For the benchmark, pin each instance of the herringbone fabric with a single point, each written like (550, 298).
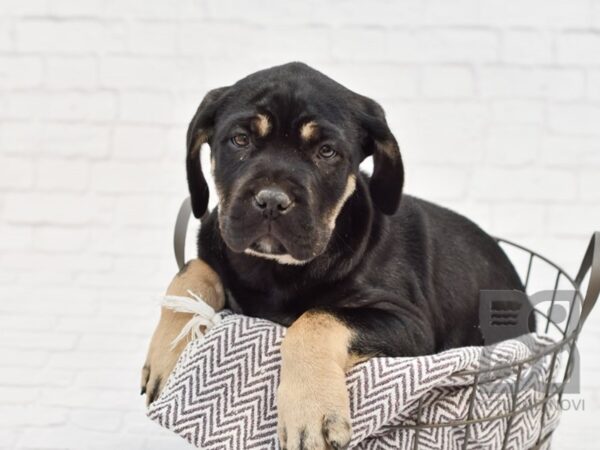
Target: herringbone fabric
(222, 394)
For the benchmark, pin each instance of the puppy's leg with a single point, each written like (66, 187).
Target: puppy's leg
(199, 278)
(312, 400)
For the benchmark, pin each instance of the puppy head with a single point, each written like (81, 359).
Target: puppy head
(286, 144)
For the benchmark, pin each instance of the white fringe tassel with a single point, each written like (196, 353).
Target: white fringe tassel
(203, 315)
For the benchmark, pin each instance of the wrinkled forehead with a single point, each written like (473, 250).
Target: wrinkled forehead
(286, 111)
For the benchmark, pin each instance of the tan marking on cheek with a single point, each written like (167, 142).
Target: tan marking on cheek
(218, 187)
(348, 191)
(309, 130)
(262, 124)
(219, 190)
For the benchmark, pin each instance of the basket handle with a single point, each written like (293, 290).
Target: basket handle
(180, 231)
(591, 262)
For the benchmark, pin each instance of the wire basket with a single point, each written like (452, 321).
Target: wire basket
(539, 275)
(537, 272)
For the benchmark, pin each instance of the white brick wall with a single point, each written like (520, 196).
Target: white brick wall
(496, 104)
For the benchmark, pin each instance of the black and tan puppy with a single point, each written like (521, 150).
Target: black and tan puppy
(302, 238)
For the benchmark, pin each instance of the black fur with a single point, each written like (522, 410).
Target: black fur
(406, 278)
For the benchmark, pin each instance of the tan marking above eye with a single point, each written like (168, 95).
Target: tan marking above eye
(309, 130)
(262, 124)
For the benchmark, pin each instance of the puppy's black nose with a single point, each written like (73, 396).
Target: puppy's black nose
(273, 202)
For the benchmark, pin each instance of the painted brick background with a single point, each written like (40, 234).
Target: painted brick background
(496, 104)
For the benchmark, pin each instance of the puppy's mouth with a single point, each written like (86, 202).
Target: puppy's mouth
(268, 245)
(289, 242)
(271, 248)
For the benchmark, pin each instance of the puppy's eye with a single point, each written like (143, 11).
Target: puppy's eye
(240, 140)
(327, 152)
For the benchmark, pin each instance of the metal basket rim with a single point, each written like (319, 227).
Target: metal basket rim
(569, 339)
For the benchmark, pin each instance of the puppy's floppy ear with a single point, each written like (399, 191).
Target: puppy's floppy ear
(388, 171)
(200, 132)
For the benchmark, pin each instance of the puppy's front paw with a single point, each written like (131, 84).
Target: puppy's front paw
(157, 369)
(313, 414)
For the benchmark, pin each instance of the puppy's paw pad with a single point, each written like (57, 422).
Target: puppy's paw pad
(337, 431)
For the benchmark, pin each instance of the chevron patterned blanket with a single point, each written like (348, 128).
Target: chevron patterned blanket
(221, 394)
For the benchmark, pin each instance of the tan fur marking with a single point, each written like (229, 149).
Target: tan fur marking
(199, 278)
(355, 359)
(388, 148)
(308, 130)
(322, 335)
(263, 125)
(312, 395)
(348, 191)
(218, 186)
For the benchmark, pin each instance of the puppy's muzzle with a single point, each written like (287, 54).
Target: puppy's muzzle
(273, 202)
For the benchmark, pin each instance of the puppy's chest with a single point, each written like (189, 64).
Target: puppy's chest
(280, 304)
